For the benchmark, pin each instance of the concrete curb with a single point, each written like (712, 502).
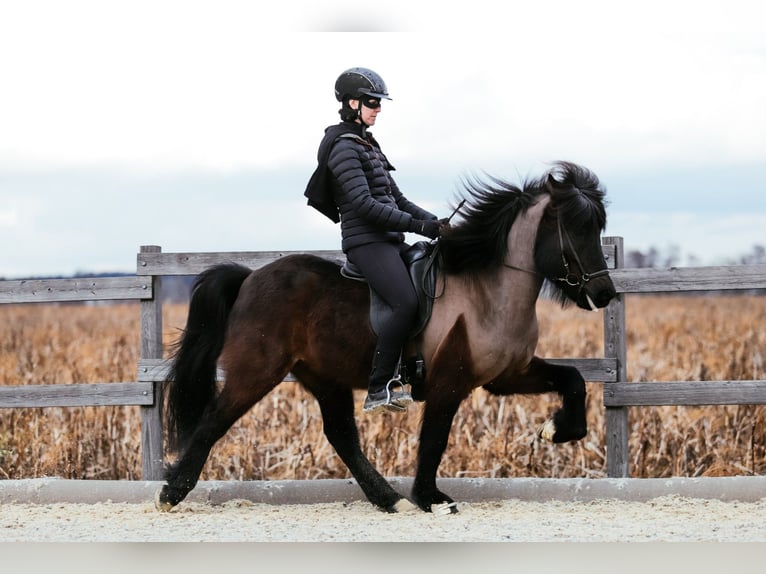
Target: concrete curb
(52, 490)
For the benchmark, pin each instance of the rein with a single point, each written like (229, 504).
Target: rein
(436, 254)
(569, 277)
(531, 272)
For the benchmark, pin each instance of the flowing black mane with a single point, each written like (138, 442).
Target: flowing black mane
(478, 241)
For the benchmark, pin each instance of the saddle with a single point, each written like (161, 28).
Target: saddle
(419, 259)
(421, 262)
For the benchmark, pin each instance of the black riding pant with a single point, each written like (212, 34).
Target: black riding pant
(382, 265)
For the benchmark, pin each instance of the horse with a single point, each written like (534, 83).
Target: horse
(299, 315)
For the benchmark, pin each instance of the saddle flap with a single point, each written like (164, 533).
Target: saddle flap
(420, 261)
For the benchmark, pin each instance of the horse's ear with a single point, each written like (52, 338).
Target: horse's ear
(550, 183)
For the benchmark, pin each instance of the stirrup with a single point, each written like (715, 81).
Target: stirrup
(400, 398)
(386, 398)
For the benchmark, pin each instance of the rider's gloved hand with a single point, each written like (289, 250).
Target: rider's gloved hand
(428, 227)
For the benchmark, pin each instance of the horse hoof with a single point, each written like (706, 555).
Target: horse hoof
(405, 505)
(444, 508)
(547, 430)
(159, 504)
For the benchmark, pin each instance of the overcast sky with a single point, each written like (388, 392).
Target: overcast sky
(194, 125)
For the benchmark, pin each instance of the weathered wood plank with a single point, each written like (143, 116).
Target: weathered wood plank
(615, 346)
(609, 250)
(79, 289)
(593, 370)
(616, 437)
(195, 263)
(151, 348)
(76, 395)
(678, 279)
(685, 393)
(156, 370)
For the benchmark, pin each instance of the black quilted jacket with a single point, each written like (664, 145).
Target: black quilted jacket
(370, 204)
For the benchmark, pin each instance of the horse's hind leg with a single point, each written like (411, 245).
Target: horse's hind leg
(337, 406)
(239, 394)
(569, 422)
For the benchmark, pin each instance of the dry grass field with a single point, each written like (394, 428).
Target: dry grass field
(670, 338)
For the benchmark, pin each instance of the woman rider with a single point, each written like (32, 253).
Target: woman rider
(353, 185)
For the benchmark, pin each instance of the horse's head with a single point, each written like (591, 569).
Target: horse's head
(568, 248)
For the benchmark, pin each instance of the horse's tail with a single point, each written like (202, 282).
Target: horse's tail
(191, 382)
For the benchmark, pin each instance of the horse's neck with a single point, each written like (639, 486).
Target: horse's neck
(520, 260)
(516, 286)
(499, 308)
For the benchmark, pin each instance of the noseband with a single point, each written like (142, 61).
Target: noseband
(571, 278)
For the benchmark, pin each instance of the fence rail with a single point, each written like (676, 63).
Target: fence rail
(77, 395)
(594, 370)
(158, 263)
(680, 279)
(686, 393)
(85, 289)
(610, 369)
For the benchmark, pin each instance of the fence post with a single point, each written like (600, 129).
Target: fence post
(151, 348)
(615, 346)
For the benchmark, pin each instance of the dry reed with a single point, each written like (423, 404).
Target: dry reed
(670, 338)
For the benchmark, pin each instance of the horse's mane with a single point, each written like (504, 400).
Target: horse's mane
(478, 242)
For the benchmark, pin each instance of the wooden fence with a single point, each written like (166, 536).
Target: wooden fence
(611, 369)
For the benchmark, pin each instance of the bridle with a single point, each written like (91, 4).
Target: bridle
(570, 278)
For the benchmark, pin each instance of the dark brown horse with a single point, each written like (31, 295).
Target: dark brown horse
(300, 315)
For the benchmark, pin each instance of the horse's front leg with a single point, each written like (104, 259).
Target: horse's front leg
(569, 422)
(434, 435)
(448, 382)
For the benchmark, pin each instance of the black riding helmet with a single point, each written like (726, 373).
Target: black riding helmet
(356, 82)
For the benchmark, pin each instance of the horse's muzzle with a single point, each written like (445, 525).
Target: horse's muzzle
(592, 300)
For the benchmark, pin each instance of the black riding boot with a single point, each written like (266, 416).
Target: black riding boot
(386, 389)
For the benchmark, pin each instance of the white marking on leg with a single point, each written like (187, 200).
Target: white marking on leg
(547, 430)
(444, 508)
(159, 505)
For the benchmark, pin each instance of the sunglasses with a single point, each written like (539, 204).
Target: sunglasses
(370, 102)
